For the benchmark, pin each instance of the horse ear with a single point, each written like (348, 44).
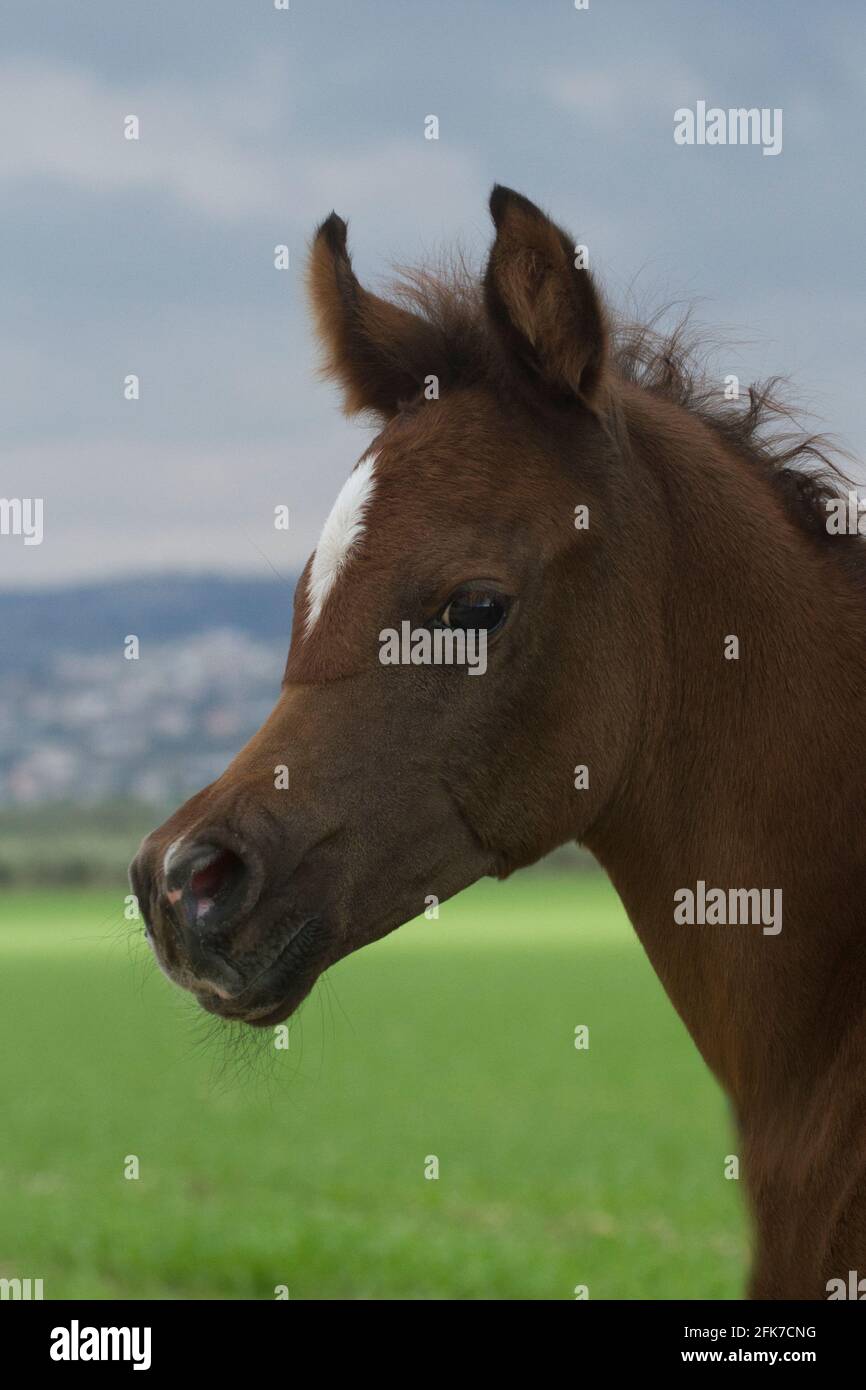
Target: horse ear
(546, 312)
(379, 352)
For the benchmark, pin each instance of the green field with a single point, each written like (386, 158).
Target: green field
(305, 1168)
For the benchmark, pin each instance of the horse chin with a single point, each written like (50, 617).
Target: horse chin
(261, 1015)
(275, 992)
(279, 991)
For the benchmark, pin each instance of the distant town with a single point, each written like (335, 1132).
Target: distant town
(99, 727)
(84, 721)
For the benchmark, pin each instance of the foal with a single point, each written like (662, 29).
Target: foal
(674, 676)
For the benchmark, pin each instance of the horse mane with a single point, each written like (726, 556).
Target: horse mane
(762, 426)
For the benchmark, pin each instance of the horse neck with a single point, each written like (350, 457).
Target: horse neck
(746, 773)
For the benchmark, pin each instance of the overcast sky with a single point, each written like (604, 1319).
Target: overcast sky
(156, 257)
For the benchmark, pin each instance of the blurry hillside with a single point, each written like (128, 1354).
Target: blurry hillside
(93, 746)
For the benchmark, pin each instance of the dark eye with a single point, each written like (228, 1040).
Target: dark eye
(475, 609)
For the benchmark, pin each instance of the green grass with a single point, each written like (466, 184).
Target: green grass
(258, 1168)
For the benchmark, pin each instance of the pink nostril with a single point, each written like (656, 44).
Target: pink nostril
(210, 880)
(205, 884)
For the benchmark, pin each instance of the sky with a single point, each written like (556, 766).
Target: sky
(155, 256)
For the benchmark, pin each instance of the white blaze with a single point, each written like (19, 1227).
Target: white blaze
(340, 534)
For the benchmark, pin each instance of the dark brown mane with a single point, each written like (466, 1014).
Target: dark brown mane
(761, 427)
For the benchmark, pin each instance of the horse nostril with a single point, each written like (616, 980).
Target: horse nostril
(208, 881)
(213, 877)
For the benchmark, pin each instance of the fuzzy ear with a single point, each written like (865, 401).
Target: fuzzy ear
(379, 352)
(546, 312)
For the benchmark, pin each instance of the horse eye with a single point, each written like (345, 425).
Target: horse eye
(475, 609)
